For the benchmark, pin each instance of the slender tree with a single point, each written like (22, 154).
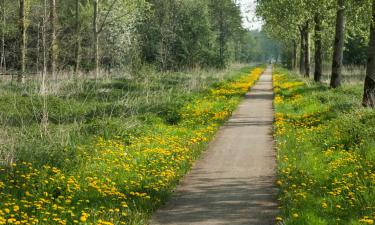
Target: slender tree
(369, 88)
(318, 49)
(338, 47)
(38, 49)
(2, 59)
(96, 37)
(22, 32)
(302, 52)
(294, 57)
(53, 42)
(78, 37)
(44, 47)
(44, 121)
(307, 50)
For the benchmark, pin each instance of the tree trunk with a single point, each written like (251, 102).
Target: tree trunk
(318, 50)
(44, 46)
(338, 47)
(307, 50)
(96, 37)
(53, 47)
(302, 57)
(22, 32)
(38, 49)
(44, 120)
(221, 39)
(369, 89)
(2, 60)
(78, 39)
(294, 63)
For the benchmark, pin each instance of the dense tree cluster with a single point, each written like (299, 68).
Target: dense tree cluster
(334, 25)
(45, 36)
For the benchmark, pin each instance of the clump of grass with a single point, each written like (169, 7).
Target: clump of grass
(127, 166)
(326, 148)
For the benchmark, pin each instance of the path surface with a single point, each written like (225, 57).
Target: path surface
(234, 181)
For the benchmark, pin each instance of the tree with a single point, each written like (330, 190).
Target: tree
(96, 36)
(288, 21)
(78, 36)
(294, 56)
(53, 43)
(170, 34)
(2, 58)
(226, 22)
(22, 32)
(302, 52)
(369, 87)
(318, 49)
(338, 47)
(306, 49)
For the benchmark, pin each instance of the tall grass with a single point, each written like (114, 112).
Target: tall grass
(80, 108)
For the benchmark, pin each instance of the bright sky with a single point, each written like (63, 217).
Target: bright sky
(248, 12)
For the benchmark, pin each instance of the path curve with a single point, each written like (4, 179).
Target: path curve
(234, 181)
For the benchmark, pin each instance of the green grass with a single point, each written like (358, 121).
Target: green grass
(113, 150)
(326, 153)
(78, 110)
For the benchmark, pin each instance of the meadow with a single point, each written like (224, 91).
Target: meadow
(325, 152)
(113, 150)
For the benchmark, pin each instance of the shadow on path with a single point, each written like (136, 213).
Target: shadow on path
(246, 201)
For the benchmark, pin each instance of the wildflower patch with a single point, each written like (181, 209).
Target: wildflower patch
(325, 153)
(119, 182)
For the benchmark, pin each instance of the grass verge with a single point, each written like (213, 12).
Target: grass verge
(325, 152)
(121, 179)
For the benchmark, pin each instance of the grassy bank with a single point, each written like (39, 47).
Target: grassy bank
(125, 160)
(326, 153)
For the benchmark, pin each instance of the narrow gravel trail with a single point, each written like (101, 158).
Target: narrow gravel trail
(234, 182)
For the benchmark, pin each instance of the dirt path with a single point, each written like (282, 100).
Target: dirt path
(234, 181)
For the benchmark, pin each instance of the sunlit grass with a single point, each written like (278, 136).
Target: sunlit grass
(325, 152)
(122, 175)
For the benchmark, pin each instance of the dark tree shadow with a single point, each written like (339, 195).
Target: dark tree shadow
(232, 201)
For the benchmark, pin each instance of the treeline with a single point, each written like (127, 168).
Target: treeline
(45, 36)
(325, 26)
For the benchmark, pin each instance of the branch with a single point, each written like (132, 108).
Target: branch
(106, 16)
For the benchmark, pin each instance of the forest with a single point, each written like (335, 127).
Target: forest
(103, 36)
(106, 105)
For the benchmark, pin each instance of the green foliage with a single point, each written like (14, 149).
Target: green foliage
(187, 34)
(170, 34)
(284, 20)
(355, 52)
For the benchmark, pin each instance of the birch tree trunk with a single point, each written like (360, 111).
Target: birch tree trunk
(338, 47)
(369, 89)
